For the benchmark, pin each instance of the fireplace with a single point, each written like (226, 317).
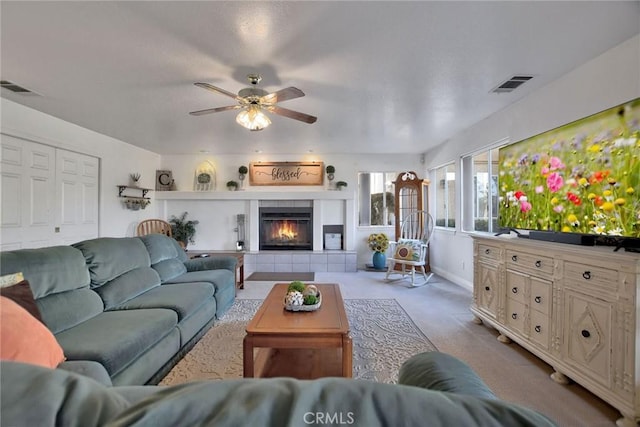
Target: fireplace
(286, 228)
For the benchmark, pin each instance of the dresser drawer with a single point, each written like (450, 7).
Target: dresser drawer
(590, 276)
(540, 296)
(515, 315)
(540, 332)
(489, 252)
(536, 264)
(517, 287)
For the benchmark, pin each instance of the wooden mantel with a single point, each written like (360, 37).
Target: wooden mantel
(251, 199)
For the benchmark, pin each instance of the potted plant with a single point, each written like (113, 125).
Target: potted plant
(330, 173)
(242, 173)
(379, 243)
(232, 185)
(341, 184)
(330, 169)
(183, 230)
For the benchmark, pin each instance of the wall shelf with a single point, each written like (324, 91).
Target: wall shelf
(134, 202)
(122, 188)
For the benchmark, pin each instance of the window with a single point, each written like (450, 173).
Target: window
(376, 199)
(445, 196)
(480, 189)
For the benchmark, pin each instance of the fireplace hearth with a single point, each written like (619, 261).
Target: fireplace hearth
(286, 228)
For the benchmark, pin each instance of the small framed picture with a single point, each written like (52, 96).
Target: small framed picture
(164, 180)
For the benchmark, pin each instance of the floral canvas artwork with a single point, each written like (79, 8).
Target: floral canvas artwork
(583, 177)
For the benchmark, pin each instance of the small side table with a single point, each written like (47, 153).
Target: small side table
(239, 267)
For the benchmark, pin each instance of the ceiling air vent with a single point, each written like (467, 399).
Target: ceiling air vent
(13, 87)
(511, 84)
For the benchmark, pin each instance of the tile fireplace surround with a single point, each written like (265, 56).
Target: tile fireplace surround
(329, 208)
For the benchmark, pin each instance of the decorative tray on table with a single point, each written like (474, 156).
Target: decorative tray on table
(301, 297)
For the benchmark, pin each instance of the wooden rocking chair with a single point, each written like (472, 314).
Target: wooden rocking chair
(410, 250)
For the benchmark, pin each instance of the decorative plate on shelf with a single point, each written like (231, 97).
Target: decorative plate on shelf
(205, 177)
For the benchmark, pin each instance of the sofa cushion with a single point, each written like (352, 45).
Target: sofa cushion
(117, 338)
(65, 310)
(164, 255)
(184, 300)
(51, 272)
(48, 270)
(110, 257)
(129, 285)
(25, 339)
(219, 278)
(169, 268)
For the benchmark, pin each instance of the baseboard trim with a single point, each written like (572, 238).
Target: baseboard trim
(460, 281)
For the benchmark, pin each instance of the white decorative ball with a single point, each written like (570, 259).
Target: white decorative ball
(310, 290)
(294, 298)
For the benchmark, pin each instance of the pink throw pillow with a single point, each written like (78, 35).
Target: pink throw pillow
(25, 339)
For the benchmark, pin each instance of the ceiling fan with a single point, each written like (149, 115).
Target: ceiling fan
(253, 100)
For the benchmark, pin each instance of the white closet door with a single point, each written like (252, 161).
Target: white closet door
(76, 197)
(28, 190)
(48, 196)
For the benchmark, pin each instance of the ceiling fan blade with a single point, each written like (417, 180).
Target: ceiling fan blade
(282, 95)
(296, 115)
(218, 90)
(215, 110)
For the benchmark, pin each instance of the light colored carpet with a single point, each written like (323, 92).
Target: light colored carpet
(266, 276)
(383, 336)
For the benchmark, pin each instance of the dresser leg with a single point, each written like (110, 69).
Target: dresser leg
(560, 378)
(504, 339)
(477, 320)
(626, 421)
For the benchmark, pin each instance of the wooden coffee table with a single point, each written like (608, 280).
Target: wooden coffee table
(303, 345)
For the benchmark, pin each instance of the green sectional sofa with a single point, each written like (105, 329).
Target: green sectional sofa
(125, 310)
(435, 389)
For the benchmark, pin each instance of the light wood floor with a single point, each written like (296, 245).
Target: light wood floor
(441, 310)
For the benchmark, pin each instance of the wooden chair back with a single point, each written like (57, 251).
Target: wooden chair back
(154, 226)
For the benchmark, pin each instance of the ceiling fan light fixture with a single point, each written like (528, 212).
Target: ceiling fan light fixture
(253, 118)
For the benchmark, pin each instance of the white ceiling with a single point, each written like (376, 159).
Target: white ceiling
(382, 77)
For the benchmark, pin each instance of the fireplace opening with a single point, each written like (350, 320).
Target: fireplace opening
(286, 228)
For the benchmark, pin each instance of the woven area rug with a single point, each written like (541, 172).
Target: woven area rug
(383, 338)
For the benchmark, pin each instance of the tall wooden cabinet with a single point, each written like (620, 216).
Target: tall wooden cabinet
(572, 306)
(411, 194)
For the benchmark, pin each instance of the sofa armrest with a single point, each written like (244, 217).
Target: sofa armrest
(443, 372)
(216, 262)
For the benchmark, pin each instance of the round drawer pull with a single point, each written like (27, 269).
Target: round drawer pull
(538, 328)
(538, 263)
(514, 316)
(487, 251)
(486, 288)
(586, 275)
(586, 333)
(538, 299)
(514, 258)
(514, 289)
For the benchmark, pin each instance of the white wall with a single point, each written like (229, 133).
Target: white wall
(117, 160)
(223, 218)
(607, 80)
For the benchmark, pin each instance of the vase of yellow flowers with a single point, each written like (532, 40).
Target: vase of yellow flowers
(379, 243)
